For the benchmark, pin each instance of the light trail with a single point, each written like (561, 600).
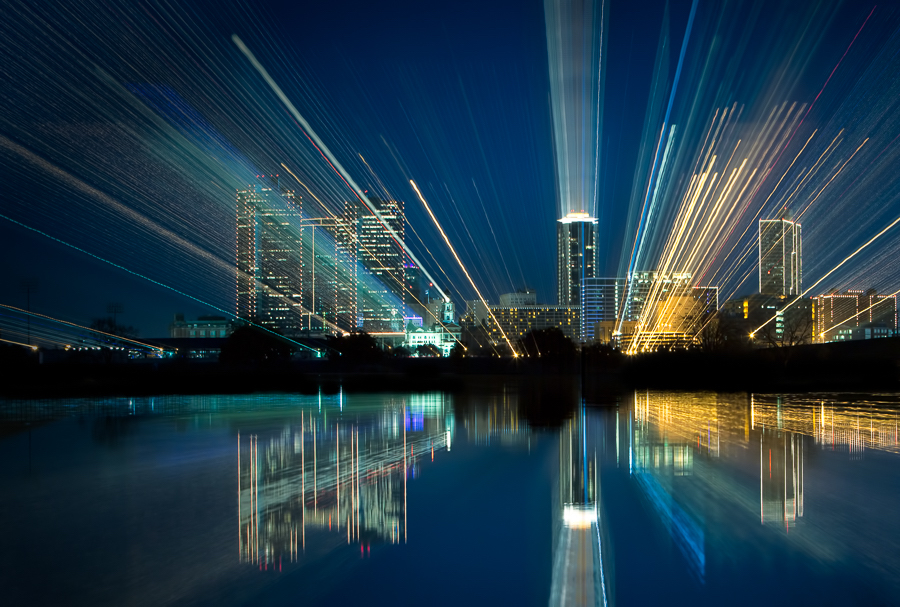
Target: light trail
(156, 282)
(829, 273)
(372, 256)
(72, 324)
(810, 203)
(335, 164)
(466, 272)
(880, 301)
(16, 343)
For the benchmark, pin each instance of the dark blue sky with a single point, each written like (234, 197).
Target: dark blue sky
(454, 96)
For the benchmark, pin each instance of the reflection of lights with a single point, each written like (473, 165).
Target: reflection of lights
(853, 427)
(579, 516)
(322, 474)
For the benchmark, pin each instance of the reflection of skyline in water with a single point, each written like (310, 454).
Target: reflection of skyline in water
(838, 426)
(341, 474)
(687, 490)
(578, 576)
(497, 419)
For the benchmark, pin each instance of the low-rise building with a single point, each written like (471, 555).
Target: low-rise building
(203, 327)
(443, 337)
(855, 314)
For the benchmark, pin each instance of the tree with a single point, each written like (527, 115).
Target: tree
(457, 351)
(550, 343)
(791, 327)
(428, 351)
(721, 332)
(253, 345)
(359, 346)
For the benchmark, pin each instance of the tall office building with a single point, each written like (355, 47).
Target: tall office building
(268, 257)
(780, 257)
(330, 270)
(600, 300)
(576, 256)
(381, 307)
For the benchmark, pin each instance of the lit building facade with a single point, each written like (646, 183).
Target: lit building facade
(443, 337)
(330, 273)
(525, 297)
(576, 256)
(780, 257)
(381, 307)
(268, 257)
(204, 326)
(600, 300)
(518, 321)
(855, 315)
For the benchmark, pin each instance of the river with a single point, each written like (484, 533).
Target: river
(450, 499)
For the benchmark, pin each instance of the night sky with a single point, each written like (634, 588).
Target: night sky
(455, 96)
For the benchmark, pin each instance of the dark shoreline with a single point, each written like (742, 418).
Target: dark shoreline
(850, 366)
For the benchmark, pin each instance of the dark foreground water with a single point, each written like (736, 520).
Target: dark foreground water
(396, 499)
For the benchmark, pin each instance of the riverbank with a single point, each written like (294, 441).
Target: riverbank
(863, 365)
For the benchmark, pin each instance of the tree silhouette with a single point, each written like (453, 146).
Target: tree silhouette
(252, 345)
(550, 343)
(359, 346)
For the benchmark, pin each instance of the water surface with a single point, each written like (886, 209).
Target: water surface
(450, 499)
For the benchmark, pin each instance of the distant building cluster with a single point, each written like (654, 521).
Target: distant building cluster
(340, 272)
(650, 310)
(347, 271)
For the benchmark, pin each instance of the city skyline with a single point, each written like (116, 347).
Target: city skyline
(158, 189)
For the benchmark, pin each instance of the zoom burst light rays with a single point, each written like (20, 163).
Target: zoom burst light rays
(576, 44)
(135, 126)
(755, 133)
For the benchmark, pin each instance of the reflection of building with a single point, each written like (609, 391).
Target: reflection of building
(269, 265)
(576, 256)
(497, 423)
(325, 475)
(780, 257)
(855, 315)
(781, 477)
(578, 575)
(838, 427)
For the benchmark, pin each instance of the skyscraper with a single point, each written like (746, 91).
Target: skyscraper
(268, 257)
(779, 257)
(381, 306)
(600, 299)
(576, 256)
(330, 270)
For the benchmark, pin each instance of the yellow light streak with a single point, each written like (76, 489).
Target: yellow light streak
(880, 301)
(833, 177)
(72, 324)
(18, 343)
(459, 261)
(830, 272)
